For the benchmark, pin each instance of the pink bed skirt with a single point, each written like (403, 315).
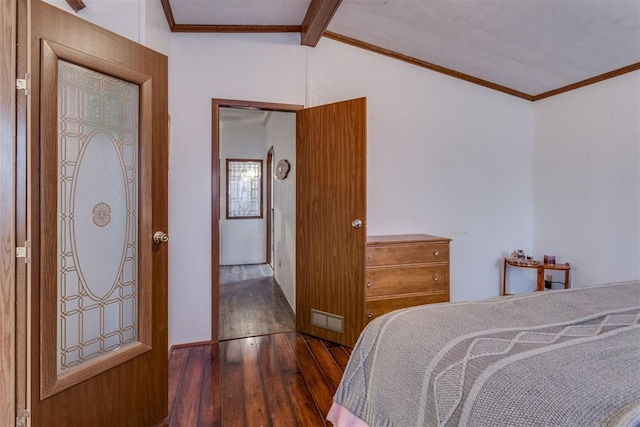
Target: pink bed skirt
(341, 417)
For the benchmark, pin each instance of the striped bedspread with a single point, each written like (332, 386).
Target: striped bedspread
(553, 358)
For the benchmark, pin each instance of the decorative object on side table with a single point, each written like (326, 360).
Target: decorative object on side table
(529, 262)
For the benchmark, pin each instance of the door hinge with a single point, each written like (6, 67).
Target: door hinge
(23, 252)
(22, 84)
(21, 420)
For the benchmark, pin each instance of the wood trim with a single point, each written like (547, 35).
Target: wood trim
(76, 5)
(427, 65)
(216, 104)
(204, 28)
(210, 28)
(267, 106)
(51, 381)
(590, 81)
(316, 21)
(168, 13)
(189, 344)
(21, 278)
(215, 218)
(269, 178)
(8, 34)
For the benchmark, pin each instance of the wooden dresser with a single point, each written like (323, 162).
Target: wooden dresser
(405, 270)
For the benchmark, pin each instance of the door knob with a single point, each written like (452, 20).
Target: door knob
(356, 223)
(160, 237)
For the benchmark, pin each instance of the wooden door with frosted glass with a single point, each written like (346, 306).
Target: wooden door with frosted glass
(97, 193)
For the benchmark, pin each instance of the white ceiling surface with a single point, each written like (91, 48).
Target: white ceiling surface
(532, 46)
(244, 115)
(239, 12)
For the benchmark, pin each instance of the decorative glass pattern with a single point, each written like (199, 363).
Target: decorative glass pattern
(244, 188)
(97, 214)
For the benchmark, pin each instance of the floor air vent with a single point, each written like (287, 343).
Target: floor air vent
(333, 322)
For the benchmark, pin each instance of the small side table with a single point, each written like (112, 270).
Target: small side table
(540, 267)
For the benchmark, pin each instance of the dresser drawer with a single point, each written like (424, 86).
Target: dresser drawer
(378, 307)
(406, 279)
(406, 254)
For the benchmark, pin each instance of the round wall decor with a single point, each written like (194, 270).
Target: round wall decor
(282, 169)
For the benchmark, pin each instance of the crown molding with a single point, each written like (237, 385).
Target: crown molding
(206, 28)
(427, 65)
(590, 81)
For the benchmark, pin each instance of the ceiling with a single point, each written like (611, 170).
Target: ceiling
(529, 48)
(243, 116)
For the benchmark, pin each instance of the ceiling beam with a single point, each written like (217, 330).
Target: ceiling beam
(317, 20)
(76, 5)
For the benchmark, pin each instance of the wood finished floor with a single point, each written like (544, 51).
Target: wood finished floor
(252, 303)
(238, 273)
(285, 379)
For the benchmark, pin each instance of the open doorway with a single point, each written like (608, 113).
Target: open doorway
(253, 269)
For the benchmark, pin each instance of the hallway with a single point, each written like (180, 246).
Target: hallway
(252, 303)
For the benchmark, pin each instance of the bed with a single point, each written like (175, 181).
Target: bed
(553, 358)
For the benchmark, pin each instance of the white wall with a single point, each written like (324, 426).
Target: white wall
(255, 67)
(242, 241)
(123, 17)
(587, 180)
(445, 157)
(281, 135)
(156, 35)
(142, 21)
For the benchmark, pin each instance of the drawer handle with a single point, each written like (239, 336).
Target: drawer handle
(369, 285)
(369, 315)
(436, 252)
(436, 277)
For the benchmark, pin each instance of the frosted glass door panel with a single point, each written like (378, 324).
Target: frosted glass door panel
(97, 215)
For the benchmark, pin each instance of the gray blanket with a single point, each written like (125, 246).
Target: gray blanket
(553, 358)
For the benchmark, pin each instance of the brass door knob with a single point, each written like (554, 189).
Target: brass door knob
(356, 223)
(160, 237)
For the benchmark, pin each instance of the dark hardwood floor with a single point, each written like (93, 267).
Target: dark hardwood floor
(238, 273)
(284, 379)
(252, 303)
